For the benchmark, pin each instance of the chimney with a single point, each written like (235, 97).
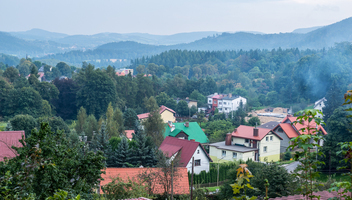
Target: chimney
(192, 140)
(187, 124)
(255, 131)
(172, 128)
(235, 130)
(169, 123)
(228, 139)
(230, 95)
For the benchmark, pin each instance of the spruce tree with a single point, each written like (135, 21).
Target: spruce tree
(100, 141)
(154, 125)
(8, 127)
(143, 153)
(121, 156)
(130, 117)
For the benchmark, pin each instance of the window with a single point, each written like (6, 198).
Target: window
(220, 103)
(267, 138)
(223, 153)
(265, 149)
(224, 103)
(225, 108)
(220, 109)
(234, 155)
(197, 151)
(246, 140)
(197, 162)
(215, 101)
(271, 138)
(209, 101)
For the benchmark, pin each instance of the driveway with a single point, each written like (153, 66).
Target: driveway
(292, 166)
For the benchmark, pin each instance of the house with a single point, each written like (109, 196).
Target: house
(246, 142)
(185, 150)
(287, 130)
(7, 140)
(129, 134)
(124, 72)
(190, 102)
(319, 105)
(269, 125)
(181, 183)
(167, 114)
(40, 76)
(225, 103)
(186, 130)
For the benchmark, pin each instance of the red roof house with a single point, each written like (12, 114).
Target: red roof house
(167, 114)
(129, 134)
(181, 183)
(7, 140)
(185, 150)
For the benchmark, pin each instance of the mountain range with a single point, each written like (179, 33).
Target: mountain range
(50, 45)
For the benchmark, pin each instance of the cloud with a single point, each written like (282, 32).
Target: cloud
(326, 8)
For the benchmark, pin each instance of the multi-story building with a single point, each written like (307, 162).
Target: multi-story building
(225, 103)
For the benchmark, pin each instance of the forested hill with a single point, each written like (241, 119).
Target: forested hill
(323, 37)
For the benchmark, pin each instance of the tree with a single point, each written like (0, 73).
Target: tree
(34, 70)
(333, 100)
(8, 127)
(254, 121)
(11, 74)
(182, 108)
(56, 124)
(198, 96)
(46, 163)
(66, 103)
(121, 157)
(21, 82)
(81, 119)
(64, 69)
(130, 117)
(47, 91)
(118, 119)
(100, 142)
(162, 98)
(91, 127)
(193, 110)
(171, 103)
(154, 125)
(111, 126)
(24, 123)
(5, 91)
(144, 152)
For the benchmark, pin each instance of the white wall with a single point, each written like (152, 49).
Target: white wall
(204, 161)
(273, 146)
(213, 151)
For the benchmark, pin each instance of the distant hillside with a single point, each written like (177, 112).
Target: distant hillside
(306, 30)
(38, 34)
(13, 45)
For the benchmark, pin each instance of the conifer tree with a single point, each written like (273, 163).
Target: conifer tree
(8, 127)
(111, 125)
(333, 100)
(130, 117)
(143, 153)
(121, 156)
(118, 119)
(81, 119)
(100, 141)
(154, 125)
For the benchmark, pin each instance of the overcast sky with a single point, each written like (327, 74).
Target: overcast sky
(169, 16)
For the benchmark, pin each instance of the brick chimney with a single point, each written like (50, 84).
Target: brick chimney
(187, 124)
(192, 140)
(255, 131)
(235, 130)
(228, 139)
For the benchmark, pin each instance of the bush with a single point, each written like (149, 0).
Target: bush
(287, 155)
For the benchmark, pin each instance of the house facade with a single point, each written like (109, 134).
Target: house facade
(319, 105)
(288, 130)
(225, 103)
(246, 142)
(184, 150)
(167, 114)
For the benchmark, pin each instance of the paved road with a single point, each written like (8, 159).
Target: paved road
(292, 166)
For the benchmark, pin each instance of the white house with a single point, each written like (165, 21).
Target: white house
(184, 150)
(246, 142)
(320, 105)
(225, 103)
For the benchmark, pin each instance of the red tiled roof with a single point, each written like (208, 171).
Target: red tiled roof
(7, 140)
(299, 126)
(181, 184)
(129, 133)
(324, 195)
(188, 147)
(120, 73)
(216, 97)
(247, 133)
(162, 109)
(289, 130)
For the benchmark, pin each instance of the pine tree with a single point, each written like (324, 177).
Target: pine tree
(130, 117)
(333, 100)
(154, 125)
(143, 153)
(8, 127)
(121, 156)
(100, 141)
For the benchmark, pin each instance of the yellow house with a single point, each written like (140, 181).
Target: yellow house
(167, 114)
(246, 142)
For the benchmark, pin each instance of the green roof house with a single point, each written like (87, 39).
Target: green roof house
(186, 130)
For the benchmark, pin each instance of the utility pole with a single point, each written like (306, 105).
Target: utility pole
(172, 179)
(192, 178)
(329, 163)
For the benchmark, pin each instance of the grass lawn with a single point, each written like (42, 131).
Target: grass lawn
(285, 162)
(213, 189)
(3, 126)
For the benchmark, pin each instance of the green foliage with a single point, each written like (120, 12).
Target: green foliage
(217, 130)
(56, 124)
(23, 122)
(307, 142)
(287, 155)
(48, 162)
(62, 195)
(154, 125)
(242, 183)
(182, 108)
(81, 119)
(254, 121)
(130, 118)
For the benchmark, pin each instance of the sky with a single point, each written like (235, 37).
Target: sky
(165, 17)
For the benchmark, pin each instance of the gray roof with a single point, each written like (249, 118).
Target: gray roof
(237, 148)
(230, 98)
(269, 125)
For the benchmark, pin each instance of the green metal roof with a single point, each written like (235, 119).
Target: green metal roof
(193, 131)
